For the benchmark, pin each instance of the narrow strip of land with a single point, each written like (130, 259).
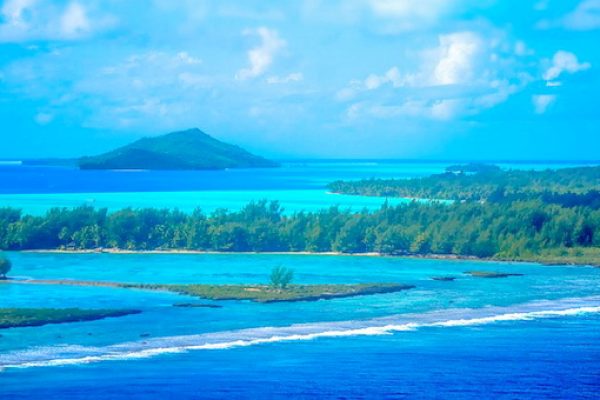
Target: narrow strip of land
(490, 274)
(256, 293)
(23, 317)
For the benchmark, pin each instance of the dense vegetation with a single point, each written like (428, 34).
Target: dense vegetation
(530, 229)
(569, 186)
(19, 317)
(191, 149)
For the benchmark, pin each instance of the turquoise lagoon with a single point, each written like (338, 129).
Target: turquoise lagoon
(207, 201)
(296, 185)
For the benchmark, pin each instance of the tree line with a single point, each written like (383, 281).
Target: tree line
(577, 186)
(520, 229)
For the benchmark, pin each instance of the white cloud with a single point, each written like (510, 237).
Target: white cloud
(410, 8)
(184, 57)
(454, 61)
(564, 61)
(541, 102)
(458, 53)
(586, 16)
(442, 110)
(293, 77)
(261, 57)
(153, 88)
(136, 64)
(392, 76)
(74, 21)
(446, 109)
(26, 20)
(407, 15)
(348, 93)
(151, 106)
(463, 75)
(15, 22)
(437, 106)
(13, 10)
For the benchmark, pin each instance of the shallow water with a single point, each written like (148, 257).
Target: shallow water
(209, 201)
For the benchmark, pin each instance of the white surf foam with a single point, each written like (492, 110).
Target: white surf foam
(72, 355)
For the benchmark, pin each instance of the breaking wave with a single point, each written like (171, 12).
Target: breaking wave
(75, 354)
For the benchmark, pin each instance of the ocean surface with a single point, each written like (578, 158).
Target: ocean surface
(298, 185)
(535, 336)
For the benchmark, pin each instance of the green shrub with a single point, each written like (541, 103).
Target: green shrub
(281, 277)
(5, 266)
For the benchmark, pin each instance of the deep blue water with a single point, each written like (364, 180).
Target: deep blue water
(290, 176)
(526, 337)
(545, 359)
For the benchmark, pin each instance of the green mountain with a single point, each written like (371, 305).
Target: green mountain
(190, 149)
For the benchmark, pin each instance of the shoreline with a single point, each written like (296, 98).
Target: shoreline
(447, 257)
(176, 251)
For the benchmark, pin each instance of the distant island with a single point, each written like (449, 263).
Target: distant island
(480, 182)
(190, 149)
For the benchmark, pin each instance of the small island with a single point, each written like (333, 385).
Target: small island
(196, 305)
(256, 293)
(191, 149)
(270, 294)
(490, 274)
(24, 317)
(443, 278)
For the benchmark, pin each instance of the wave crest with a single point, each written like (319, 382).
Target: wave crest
(75, 354)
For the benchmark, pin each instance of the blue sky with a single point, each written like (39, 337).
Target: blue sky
(451, 79)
